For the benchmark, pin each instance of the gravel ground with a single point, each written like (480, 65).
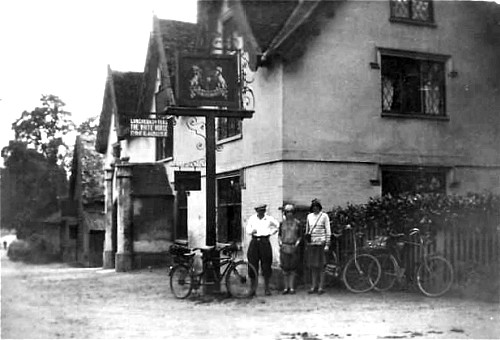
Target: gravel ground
(57, 301)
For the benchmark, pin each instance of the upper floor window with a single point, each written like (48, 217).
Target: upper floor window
(416, 11)
(413, 84)
(228, 127)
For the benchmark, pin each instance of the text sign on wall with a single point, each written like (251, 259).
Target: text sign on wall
(148, 127)
(187, 180)
(208, 81)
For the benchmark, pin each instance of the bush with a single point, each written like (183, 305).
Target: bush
(430, 211)
(33, 250)
(19, 250)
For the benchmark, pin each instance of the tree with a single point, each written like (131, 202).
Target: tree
(89, 126)
(44, 127)
(33, 178)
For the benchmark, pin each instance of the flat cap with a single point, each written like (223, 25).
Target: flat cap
(260, 207)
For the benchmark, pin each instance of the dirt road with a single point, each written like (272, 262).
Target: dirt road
(56, 301)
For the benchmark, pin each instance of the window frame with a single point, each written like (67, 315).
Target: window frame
(420, 58)
(160, 153)
(228, 138)
(181, 222)
(236, 176)
(415, 169)
(408, 20)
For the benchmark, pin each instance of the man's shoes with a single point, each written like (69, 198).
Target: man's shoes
(267, 292)
(320, 291)
(285, 291)
(292, 291)
(312, 291)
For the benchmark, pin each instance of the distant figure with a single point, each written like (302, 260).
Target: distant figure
(4, 244)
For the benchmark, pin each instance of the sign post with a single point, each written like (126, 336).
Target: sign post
(209, 87)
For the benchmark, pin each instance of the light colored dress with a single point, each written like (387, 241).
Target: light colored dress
(289, 233)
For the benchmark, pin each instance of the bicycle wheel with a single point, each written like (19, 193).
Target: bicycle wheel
(361, 273)
(239, 282)
(389, 271)
(181, 281)
(435, 276)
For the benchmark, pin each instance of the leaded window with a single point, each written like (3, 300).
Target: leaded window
(413, 85)
(412, 10)
(403, 180)
(228, 127)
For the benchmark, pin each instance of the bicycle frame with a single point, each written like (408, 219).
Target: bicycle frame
(208, 266)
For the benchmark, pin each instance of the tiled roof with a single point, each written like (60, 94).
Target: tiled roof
(94, 220)
(267, 17)
(127, 87)
(169, 38)
(176, 37)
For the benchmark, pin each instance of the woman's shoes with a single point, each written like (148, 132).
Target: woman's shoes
(292, 291)
(316, 290)
(285, 291)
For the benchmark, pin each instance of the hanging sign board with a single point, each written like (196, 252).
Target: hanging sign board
(208, 81)
(149, 127)
(187, 180)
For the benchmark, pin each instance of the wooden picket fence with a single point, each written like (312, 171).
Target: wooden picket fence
(466, 246)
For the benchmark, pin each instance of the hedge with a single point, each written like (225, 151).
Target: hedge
(430, 211)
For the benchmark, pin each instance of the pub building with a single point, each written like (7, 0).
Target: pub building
(349, 100)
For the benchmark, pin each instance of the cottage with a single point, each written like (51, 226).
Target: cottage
(140, 220)
(83, 228)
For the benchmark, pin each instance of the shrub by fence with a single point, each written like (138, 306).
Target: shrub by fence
(465, 228)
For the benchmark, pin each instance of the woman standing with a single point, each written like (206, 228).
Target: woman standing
(289, 238)
(318, 229)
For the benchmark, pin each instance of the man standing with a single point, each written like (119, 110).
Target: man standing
(261, 226)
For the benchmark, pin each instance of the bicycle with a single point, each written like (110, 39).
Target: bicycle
(433, 275)
(240, 276)
(360, 272)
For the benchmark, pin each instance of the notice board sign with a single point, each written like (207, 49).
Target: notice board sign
(187, 180)
(149, 127)
(208, 81)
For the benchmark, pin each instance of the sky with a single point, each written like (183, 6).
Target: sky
(63, 47)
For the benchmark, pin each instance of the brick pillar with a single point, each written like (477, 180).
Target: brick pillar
(123, 259)
(108, 257)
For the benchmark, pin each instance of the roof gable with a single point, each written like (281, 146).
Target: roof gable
(87, 171)
(168, 38)
(121, 96)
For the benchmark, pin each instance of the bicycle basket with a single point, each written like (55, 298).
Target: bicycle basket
(332, 269)
(380, 242)
(178, 250)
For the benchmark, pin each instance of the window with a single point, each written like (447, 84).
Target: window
(165, 146)
(228, 127)
(413, 84)
(400, 180)
(232, 41)
(229, 209)
(414, 11)
(182, 218)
